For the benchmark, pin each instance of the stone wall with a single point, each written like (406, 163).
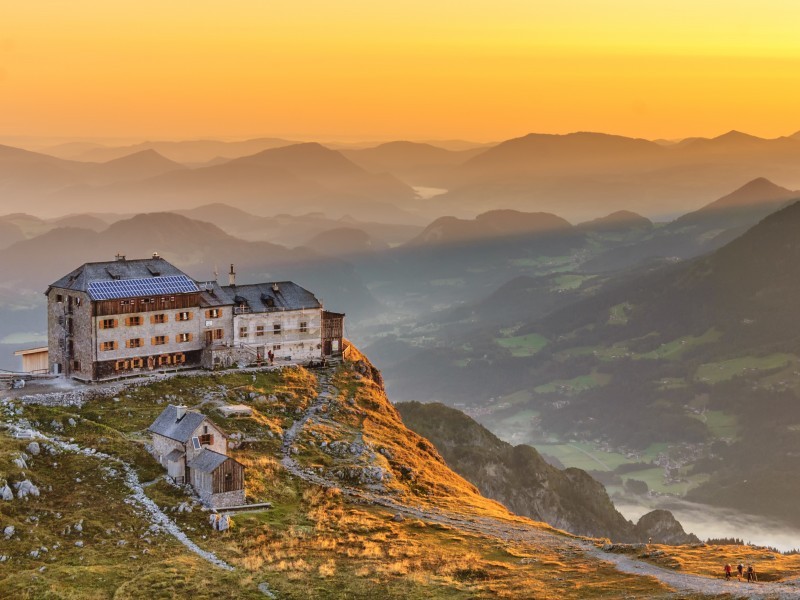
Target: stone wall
(74, 308)
(225, 499)
(163, 446)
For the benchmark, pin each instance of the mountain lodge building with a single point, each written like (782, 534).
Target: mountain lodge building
(126, 317)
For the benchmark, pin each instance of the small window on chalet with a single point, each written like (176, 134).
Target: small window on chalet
(108, 323)
(123, 303)
(276, 328)
(242, 332)
(213, 313)
(183, 316)
(206, 439)
(76, 365)
(179, 359)
(108, 346)
(59, 298)
(164, 359)
(218, 333)
(137, 363)
(158, 319)
(159, 340)
(303, 326)
(276, 346)
(134, 321)
(121, 365)
(135, 343)
(184, 337)
(259, 330)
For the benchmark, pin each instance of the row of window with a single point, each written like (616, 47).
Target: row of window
(150, 362)
(158, 340)
(277, 329)
(146, 301)
(136, 320)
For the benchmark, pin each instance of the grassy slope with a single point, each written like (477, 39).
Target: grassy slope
(313, 544)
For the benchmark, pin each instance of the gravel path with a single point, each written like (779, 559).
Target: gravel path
(520, 533)
(156, 516)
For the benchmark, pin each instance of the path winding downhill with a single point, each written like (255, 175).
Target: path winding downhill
(156, 515)
(518, 532)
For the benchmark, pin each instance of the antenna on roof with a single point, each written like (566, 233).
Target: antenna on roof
(120, 257)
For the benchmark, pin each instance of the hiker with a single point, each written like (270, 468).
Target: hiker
(751, 573)
(271, 357)
(727, 571)
(740, 568)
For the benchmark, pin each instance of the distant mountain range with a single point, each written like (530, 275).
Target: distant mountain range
(577, 176)
(194, 246)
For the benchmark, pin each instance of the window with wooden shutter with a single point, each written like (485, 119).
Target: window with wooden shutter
(108, 346)
(183, 316)
(213, 313)
(159, 340)
(134, 343)
(206, 439)
(108, 324)
(180, 359)
(184, 337)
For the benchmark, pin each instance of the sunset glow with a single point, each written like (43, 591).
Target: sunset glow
(417, 70)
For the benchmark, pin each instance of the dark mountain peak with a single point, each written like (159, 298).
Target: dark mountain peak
(616, 221)
(757, 191)
(308, 157)
(510, 221)
(166, 225)
(148, 157)
(736, 136)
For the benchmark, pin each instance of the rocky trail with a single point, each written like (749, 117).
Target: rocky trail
(519, 532)
(159, 520)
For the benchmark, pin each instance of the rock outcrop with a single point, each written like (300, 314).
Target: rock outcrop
(523, 481)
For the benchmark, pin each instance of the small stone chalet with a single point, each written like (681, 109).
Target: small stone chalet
(194, 450)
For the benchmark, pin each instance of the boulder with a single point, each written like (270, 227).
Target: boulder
(8, 531)
(6, 493)
(663, 528)
(25, 488)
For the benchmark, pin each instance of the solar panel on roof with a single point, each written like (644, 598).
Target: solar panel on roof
(125, 288)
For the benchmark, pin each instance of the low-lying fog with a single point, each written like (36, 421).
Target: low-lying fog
(711, 522)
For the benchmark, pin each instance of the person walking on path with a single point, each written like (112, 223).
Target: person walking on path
(751, 573)
(740, 568)
(727, 571)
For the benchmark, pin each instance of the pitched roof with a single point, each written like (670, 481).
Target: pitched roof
(155, 270)
(207, 461)
(168, 425)
(175, 455)
(266, 297)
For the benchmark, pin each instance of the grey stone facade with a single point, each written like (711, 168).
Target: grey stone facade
(70, 333)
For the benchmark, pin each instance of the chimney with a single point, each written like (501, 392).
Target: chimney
(155, 255)
(232, 277)
(120, 257)
(275, 288)
(180, 412)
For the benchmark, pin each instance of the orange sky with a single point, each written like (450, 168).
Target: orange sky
(483, 70)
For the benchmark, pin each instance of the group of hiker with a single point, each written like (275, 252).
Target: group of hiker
(749, 572)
